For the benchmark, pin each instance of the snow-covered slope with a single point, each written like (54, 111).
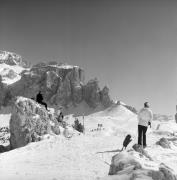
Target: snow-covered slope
(58, 158)
(116, 119)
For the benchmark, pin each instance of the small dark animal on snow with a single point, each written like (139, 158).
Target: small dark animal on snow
(127, 140)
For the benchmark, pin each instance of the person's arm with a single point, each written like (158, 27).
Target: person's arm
(138, 116)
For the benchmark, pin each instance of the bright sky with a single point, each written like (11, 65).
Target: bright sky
(130, 46)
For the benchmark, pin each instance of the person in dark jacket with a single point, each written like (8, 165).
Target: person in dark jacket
(127, 140)
(39, 99)
(60, 117)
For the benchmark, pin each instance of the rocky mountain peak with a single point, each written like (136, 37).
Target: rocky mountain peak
(12, 59)
(62, 85)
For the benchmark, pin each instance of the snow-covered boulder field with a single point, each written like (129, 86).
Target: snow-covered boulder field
(29, 122)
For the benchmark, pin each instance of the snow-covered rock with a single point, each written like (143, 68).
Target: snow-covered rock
(126, 166)
(123, 161)
(12, 59)
(164, 143)
(10, 74)
(29, 121)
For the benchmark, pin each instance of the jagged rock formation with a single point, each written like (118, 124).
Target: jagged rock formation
(61, 85)
(92, 93)
(12, 59)
(29, 122)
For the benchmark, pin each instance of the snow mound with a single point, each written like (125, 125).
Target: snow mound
(10, 74)
(116, 120)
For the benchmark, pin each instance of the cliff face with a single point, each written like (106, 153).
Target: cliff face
(61, 85)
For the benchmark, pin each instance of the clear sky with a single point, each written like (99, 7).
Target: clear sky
(129, 45)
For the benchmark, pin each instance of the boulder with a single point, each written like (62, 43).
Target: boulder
(139, 148)
(29, 121)
(68, 132)
(164, 143)
(123, 162)
(126, 166)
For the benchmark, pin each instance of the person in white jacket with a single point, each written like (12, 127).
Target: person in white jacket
(145, 117)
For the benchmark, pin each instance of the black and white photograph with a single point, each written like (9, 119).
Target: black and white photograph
(88, 89)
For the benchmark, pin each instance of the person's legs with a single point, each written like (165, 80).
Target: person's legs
(45, 104)
(144, 135)
(139, 134)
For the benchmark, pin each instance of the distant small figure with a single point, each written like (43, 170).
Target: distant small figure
(60, 117)
(127, 140)
(39, 99)
(100, 126)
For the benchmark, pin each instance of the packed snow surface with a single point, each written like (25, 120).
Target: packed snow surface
(76, 158)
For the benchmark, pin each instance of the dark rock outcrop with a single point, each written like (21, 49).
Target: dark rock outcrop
(92, 93)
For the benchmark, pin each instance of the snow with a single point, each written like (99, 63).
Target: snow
(64, 66)
(4, 71)
(59, 158)
(4, 55)
(4, 120)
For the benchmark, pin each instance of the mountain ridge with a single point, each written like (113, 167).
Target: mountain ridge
(61, 84)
